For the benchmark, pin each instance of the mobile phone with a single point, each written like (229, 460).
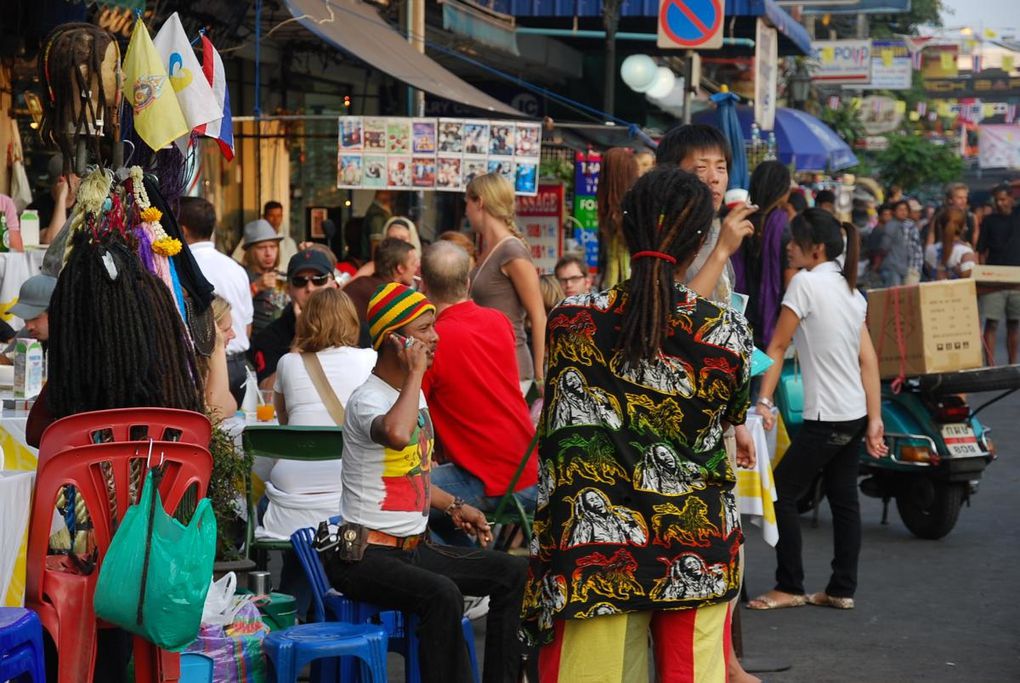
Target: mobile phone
(406, 341)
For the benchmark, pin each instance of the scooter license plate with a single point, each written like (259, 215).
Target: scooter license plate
(960, 440)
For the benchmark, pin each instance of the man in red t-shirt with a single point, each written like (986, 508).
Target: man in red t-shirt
(474, 396)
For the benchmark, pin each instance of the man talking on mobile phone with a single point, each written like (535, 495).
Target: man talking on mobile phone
(380, 554)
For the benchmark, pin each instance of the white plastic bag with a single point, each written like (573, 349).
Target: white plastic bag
(222, 602)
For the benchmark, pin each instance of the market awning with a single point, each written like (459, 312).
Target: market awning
(357, 28)
(802, 139)
(788, 27)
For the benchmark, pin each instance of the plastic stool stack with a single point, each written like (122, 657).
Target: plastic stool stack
(291, 650)
(21, 646)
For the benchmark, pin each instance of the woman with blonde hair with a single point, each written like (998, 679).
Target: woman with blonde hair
(505, 277)
(950, 257)
(619, 172)
(219, 402)
(303, 493)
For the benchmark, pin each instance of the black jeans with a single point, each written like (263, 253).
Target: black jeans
(833, 448)
(430, 582)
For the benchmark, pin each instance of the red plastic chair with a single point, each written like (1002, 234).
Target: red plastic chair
(55, 589)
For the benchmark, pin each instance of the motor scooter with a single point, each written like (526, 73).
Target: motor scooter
(938, 449)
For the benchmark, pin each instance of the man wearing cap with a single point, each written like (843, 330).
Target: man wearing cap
(33, 306)
(307, 271)
(262, 259)
(197, 218)
(377, 555)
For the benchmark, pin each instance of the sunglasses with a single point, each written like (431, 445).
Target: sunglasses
(300, 281)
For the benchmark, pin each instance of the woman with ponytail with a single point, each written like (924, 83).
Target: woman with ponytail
(950, 257)
(505, 278)
(824, 315)
(635, 484)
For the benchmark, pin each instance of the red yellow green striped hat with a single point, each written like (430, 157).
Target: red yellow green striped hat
(391, 307)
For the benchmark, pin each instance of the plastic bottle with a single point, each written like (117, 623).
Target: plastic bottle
(30, 227)
(770, 152)
(5, 237)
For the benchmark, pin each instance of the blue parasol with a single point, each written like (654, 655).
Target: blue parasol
(802, 139)
(729, 123)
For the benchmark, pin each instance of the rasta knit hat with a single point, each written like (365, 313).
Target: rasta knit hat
(391, 307)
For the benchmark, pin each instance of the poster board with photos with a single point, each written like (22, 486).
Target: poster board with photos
(444, 154)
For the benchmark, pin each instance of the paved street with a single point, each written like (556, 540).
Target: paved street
(926, 610)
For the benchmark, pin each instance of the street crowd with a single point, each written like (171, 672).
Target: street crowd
(442, 361)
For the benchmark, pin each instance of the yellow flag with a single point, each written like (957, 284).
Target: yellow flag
(1007, 63)
(900, 107)
(943, 108)
(158, 116)
(987, 111)
(947, 59)
(887, 57)
(914, 116)
(828, 55)
(989, 33)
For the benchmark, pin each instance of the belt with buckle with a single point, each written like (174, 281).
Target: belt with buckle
(399, 542)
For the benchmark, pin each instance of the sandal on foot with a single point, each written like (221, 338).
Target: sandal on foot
(788, 600)
(825, 600)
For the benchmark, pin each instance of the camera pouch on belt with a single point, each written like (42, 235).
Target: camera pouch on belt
(349, 541)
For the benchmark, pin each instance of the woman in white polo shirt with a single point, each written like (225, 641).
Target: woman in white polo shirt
(823, 314)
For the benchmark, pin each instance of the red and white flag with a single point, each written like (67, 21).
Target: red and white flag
(222, 129)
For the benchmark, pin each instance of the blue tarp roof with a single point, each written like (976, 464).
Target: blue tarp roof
(786, 24)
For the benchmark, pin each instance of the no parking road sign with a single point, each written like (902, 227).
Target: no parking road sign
(691, 24)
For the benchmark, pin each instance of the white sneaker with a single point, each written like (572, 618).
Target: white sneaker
(476, 608)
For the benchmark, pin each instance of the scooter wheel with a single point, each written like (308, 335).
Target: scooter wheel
(929, 509)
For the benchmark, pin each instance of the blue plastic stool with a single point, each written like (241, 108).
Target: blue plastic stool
(196, 668)
(329, 605)
(289, 651)
(21, 646)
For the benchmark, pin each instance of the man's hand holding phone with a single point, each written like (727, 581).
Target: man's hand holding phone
(413, 353)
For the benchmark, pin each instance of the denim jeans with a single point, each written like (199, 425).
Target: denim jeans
(832, 448)
(430, 581)
(459, 482)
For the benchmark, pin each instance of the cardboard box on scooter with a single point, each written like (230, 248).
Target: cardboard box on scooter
(926, 328)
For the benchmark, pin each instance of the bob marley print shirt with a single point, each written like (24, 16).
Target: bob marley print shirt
(635, 504)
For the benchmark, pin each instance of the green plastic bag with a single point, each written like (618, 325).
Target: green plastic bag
(156, 573)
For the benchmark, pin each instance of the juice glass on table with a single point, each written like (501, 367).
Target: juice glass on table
(265, 411)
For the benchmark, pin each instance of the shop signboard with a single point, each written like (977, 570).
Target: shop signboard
(766, 71)
(989, 87)
(442, 154)
(845, 62)
(540, 218)
(890, 66)
(939, 61)
(587, 167)
(999, 146)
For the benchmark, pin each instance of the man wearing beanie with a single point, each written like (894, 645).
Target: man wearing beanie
(378, 555)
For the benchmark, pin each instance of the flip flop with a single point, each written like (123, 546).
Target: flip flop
(766, 602)
(822, 599)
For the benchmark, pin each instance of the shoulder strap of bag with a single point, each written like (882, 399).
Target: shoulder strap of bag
(315, 372)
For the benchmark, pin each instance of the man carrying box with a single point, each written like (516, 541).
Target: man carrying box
(999, 245)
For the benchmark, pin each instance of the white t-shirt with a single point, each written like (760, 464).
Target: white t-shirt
(933, 257)
(230, 281)
(828, 341)
(384, 489)
(302, 494)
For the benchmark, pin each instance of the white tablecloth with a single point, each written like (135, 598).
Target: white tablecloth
(15, 510)
(756, 490)
(15, 268)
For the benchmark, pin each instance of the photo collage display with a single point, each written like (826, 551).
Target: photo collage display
(435, 154)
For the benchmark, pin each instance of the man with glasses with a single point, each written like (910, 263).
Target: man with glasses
(572, 274)
(308, 270)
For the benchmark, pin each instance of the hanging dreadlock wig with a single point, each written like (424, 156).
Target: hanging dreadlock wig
(80, 69)
(117, 337)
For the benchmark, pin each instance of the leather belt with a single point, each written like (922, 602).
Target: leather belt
(401, 543)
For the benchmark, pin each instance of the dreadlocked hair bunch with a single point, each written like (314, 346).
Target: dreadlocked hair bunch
(666, 211)
(116, 337)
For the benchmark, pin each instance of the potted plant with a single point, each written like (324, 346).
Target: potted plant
(231, 468)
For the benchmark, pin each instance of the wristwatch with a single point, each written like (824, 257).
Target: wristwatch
(767, 402)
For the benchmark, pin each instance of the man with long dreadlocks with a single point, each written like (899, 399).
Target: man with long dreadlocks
(603, 595)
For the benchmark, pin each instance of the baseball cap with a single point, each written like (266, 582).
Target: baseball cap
(34, 297)
(309, 259)
(259, 231)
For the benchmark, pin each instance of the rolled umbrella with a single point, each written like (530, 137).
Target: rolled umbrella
(729, 123)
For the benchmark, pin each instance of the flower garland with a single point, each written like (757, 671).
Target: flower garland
(163, 244)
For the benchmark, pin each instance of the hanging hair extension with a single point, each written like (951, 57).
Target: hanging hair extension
(669, 212)
(116, 339)
(619, 171)
(79, 102)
